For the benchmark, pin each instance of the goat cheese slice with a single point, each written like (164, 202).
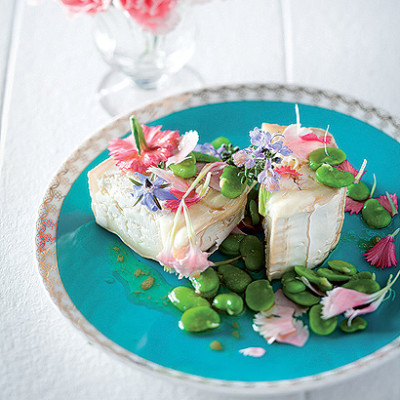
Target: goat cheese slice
(303, 220)
(146, 232)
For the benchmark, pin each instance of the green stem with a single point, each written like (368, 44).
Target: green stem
(373, 187)
(227, 261)
(138, 134)
(392, 206)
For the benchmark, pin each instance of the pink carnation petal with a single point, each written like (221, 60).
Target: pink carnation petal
(178, 183)
(384, 202)
(382, 255)
(282, 300)
(351, 314)
(187, 262)
(311, 136)
(353, 206)
(346, 166)
(160, 146)
(297, 338)
(190, 200)
(340, 299)
(253, 351)
(275, 322)
(285, 170)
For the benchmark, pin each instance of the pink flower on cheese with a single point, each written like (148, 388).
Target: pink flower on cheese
(154, 144)
(189, 260)
(382, 255)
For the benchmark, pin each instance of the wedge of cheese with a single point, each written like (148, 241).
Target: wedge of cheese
(146, 232)
(303, 220)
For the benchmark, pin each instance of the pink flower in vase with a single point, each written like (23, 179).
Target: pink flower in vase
(158, 16)
(86, 6)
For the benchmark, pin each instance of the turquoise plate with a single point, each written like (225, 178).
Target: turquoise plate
(90, 273)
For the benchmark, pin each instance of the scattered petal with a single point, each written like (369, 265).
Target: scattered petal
(190, 200)
(311, 136)
(382, 255)
(353, 206)
(341, 300)
(178, 183)
(274, 323)
(286, 170)
(282, 300)
(253, 351)
(385, 203)
(297, 338)
(346, 166)
(186, 145)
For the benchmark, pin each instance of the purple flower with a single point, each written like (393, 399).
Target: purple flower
(265, 141)
(248, 157)
(208, 148)
(269, 177)
(260, 138)
(149, 192)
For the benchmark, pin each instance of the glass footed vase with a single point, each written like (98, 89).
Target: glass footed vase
(144, 66)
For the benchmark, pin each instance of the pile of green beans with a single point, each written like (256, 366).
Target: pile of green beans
(296, 286)
(226, 289)
(229, 289)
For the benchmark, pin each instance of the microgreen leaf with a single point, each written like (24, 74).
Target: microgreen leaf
(135, 182)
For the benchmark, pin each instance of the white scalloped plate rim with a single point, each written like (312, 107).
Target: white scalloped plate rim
(92, 147)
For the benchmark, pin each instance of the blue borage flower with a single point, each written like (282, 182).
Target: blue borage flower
(150, 192)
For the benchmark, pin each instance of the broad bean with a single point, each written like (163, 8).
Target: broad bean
(367, 286)
(231, 245)
(319, 157)
(358, 324)
(252, 251)
(199, 319)
(234, 278)
(185, 169)
(374, 215)
(305, 298)
(259, 295)
(183, 298)
(319, 325)
(207, 283)
(231, 303)
(342, 266)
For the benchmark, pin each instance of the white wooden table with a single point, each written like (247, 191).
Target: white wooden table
(49, 72)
